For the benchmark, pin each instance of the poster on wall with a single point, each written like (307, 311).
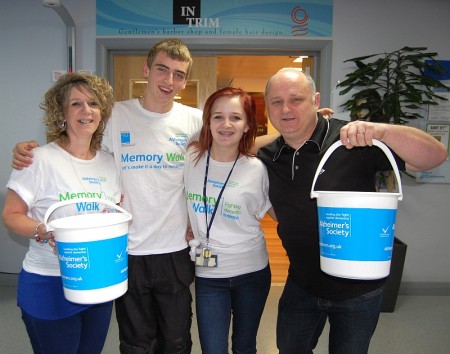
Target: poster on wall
(438, 126)
(439, 132)
(440, 174)
(441, 112)
(243, 18)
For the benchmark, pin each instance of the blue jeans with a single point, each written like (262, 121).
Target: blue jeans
(302, 317)
(82, 333)
(242, 297)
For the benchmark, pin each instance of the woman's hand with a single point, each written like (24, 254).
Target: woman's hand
(52, 244)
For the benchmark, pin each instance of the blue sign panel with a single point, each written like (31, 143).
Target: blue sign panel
(239, 18)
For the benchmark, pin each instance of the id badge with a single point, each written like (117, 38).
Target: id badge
(206, 258)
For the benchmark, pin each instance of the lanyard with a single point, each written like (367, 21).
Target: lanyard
(208, 226)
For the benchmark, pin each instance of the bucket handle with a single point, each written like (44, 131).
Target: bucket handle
(74, 201)
(378, 143)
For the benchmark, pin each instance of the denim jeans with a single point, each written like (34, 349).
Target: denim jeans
(82, 333)
(302, 317)
(242, 297)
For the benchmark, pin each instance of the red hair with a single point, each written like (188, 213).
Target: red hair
(205, 138)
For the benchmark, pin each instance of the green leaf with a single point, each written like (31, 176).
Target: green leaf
(399, 77)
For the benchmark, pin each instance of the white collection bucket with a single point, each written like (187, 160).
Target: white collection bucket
(356, 229)
(92, 251)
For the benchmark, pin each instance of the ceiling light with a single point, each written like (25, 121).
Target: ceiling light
(300, 58)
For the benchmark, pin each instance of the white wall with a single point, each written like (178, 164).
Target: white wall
(32, 40)
(32, 45)
(366, 27)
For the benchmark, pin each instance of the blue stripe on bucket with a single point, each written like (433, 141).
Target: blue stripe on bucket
(356, 234)
(95, 264)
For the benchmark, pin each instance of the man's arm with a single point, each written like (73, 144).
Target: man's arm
(419, 150)
(23, 154)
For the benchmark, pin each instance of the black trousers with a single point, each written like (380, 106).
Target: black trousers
(155, 314)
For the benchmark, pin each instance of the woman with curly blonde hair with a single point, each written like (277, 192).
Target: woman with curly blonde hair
(55, 104)
(70, 166)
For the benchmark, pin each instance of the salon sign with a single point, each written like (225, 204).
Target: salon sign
(209, 18)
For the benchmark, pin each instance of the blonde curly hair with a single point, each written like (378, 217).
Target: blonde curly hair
(56, 100)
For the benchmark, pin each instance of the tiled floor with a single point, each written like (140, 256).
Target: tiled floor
(419, 325)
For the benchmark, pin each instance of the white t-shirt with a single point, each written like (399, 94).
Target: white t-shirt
(54, 176)
(235, 236)
(149, 149)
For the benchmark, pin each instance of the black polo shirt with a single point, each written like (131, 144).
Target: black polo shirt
(291, 174)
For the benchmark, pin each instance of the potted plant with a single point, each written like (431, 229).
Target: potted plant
(394, 89)
(399, 78)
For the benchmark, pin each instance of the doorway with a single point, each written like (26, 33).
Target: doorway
(210, 73)
(219, 62)
(204, 48)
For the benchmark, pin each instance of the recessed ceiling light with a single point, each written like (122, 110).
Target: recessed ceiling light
(300, 58)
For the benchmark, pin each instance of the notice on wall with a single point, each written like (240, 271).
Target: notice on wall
(440, 132)
(438, 126)
(440, 112)
(440, 174)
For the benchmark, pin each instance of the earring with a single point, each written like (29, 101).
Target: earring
(64, 125)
